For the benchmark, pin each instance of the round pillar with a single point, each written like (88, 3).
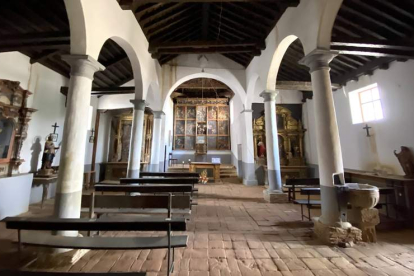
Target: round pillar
(156, 146)
(327, 135)
(134, 161)
(71, 168)
(274, 192)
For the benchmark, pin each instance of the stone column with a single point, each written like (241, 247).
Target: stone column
(134, 161)
(156, 146)
(274, 193)
(70, 178)
(249, 169)
(327, 139)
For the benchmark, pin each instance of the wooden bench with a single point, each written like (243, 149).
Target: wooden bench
(43, 239)
(162, 180)
(54, 273)
(140, 204)
(310, 204)
(169, 174)
(293, 183)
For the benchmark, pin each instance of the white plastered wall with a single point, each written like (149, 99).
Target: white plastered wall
(389, 134)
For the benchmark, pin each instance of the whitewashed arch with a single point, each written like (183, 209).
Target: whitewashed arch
(86, 17)
(233, 84)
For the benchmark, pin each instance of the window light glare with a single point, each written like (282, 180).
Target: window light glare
(365, 104)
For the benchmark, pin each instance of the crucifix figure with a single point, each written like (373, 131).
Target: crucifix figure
(367, 129)
(55, 126)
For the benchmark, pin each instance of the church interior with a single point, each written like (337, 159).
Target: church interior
(206, 137)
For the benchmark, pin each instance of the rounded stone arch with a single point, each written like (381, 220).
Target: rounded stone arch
(153, 97)
(252, 85)
(234, 85)
(277, 61)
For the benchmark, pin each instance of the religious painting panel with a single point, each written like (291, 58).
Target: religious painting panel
(179, 143)
(222, 142)
(190, 128)
(212, 142)
(201, 113)
(191, 112)
(223, 113)
(223, 128)
(6, 133)
(212, 128)
(189, 142)
(179, 127)
(212, 112)
(180, 112)
(201, 128)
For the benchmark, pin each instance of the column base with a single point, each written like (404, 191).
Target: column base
(275, 196)
(337, 235)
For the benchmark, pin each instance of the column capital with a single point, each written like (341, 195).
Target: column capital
(269, 95)
(318, 59)
(158, 114)
(138, 104)
(83, 65)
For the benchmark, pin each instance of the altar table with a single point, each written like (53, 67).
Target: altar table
(206, 165)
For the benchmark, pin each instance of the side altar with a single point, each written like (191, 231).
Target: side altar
(291, 143)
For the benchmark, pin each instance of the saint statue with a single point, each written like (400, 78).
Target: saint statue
(49, 153)
(261, 149)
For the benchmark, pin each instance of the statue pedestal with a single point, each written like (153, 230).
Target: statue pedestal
(45, 173)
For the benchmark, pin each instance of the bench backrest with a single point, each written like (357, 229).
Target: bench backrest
(165, 180)
(169, 174)
(135, 202)
(303, 181)
(187, 188)
(102, 224)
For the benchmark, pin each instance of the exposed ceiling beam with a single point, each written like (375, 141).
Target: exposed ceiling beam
(105, 90)
(127, 4)
(368, 67)
(299, 85)
(221, 50)
(404, 45)
(35, 41)
(206, 19)
(154, 47)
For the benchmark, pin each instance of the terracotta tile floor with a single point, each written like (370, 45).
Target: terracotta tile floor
(233, 231)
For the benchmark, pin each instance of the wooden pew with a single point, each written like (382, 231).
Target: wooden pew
(293, 183)
(309, 203)
(169, 174)
(162, 180)
(54, 273)
(103, 224)
(98, 205)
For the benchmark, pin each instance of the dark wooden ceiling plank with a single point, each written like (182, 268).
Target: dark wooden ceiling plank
(44, 55)
(169, 33)
(361, 30)
(256, 23)
(251, 13)
(142, 9)
(33, 16)
(394, 5)
(169, 58)
(344, 63)
(350, 59)
(214, 29)
(170, 20)
(205, 20)
(376, 53)
(38, 37)
(382, 17)
(200, 44)
(368, 67)
(147, 19)
(363, 19)
(233, 23)
(234, 29)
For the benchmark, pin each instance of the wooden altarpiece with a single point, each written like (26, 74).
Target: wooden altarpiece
(14, 123)
(291, 145)
(202, 124)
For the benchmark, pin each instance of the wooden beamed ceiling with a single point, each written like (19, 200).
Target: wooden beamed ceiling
(40, 30)
(203, 87)
(234, 28)
(368, 35)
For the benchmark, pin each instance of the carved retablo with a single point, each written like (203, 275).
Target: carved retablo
(14, 120)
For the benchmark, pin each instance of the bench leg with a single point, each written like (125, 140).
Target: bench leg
(301, 210)
(309, 213)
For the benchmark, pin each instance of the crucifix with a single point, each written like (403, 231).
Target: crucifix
(55, 126)
(92, 137)
(367, 129)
